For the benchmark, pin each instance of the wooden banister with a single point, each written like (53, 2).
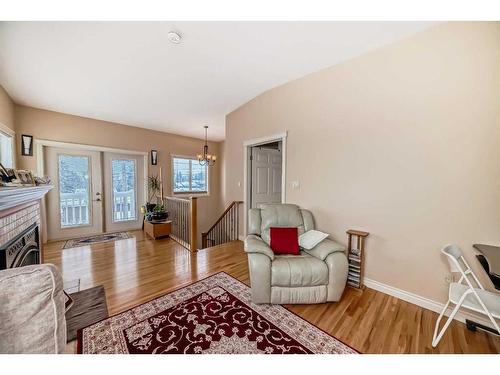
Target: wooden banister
(225, 228)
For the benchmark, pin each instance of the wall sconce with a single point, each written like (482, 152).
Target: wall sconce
(154, 157)
(27, 145)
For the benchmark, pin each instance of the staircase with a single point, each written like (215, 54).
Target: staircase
(225, 229)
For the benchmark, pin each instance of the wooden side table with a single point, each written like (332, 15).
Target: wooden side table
(158, 229)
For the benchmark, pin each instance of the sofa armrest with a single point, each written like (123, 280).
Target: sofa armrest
(325, 248)
(32, 310)
(255, 244)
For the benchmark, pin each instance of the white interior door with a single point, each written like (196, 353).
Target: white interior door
(266, 176)
(74, 207)
(124, 185)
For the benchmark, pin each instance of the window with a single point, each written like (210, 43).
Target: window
(6, 150)
(189, 176)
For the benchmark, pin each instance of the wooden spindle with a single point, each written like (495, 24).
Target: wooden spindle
(194, 224)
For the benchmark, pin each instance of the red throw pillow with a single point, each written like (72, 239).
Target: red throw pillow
(285, 240)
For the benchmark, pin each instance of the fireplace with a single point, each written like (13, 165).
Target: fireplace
(20, 225)
(23, 250)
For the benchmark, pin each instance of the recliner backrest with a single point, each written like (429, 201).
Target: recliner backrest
(255, 220)
(308, 219)
(279, 215)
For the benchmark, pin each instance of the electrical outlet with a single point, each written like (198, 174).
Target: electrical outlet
(448, 278)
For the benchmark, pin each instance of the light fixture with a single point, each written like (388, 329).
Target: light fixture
(27, 145)
(174, 37)
(154, 157)
(206, 158)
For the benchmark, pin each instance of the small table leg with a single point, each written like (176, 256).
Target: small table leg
(473, 326)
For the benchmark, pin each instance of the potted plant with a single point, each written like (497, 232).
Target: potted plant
(159, 213)
(153, 189)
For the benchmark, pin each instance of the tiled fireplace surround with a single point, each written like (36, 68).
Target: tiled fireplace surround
(15, 223)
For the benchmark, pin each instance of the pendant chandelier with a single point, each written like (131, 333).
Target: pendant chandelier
(206, 158)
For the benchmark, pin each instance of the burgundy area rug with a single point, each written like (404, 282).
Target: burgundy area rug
(211, 316)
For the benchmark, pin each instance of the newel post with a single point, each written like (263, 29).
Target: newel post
(193, 235)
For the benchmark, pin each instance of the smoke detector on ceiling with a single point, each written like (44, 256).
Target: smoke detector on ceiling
(174, 37)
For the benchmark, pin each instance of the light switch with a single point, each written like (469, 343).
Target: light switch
(295, 185)
(239, 183)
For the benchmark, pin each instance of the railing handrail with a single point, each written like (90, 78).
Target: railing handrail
(183, 199)
(222, 216)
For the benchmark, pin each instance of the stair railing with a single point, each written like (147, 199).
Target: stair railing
(183, 213)
(225, 229)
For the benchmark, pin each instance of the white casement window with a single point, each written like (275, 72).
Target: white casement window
(188, 176)
(6, 150)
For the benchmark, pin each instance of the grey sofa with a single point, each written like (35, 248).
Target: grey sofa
(315, 276)
(32, 310)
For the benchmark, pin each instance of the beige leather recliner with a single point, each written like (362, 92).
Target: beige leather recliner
(315, 276)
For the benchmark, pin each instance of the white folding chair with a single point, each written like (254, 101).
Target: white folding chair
(464, 294)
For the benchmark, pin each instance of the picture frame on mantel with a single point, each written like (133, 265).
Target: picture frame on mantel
(26, 145)
(25, 177)
(4, 174)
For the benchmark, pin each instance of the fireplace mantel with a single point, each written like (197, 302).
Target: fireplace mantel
(17, 196)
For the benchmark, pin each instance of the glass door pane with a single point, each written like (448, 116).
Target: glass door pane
(124, 194)
(74, 190)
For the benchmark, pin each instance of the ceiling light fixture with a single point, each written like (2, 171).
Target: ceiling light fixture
(174, 37)
(206, 158)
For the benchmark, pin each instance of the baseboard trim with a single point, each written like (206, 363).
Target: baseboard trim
(426, 303)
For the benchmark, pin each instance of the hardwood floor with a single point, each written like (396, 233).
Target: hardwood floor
(139, 269)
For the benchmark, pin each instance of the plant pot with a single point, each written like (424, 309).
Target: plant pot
(159, 216)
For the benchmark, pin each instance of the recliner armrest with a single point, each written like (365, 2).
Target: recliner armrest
(255, 244)
(325, 248)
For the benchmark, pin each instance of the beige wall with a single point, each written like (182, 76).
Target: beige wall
(403, 142)
(60, 127)
(6, 109)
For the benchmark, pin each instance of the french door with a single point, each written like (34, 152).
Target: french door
(95, 192)
(74, 207)
(123, 191)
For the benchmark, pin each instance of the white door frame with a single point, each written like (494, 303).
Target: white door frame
(39, 144)
(246, 169)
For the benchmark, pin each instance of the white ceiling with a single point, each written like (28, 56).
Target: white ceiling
(128, 72)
